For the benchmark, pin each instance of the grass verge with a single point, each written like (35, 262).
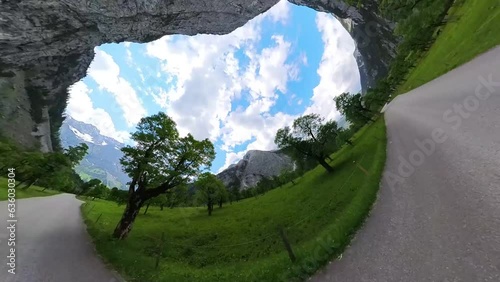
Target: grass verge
(472, 29)
(241, 241)
(33, 191)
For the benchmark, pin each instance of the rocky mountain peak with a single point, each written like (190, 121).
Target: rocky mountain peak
(254, 166)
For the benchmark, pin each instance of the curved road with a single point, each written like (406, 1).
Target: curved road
(52, 244)
(437, 217)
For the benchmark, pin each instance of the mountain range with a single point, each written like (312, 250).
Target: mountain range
(103, 159)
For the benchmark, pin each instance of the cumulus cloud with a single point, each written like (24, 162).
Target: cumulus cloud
(280, 12)
(81, 108)
(242, 126)
(106, 73)
(268, 71)
(338, 70)
(206, 77)
(338, 73)
(231, 158)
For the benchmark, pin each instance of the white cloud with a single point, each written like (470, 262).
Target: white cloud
(129, 59)
(280, 12)
(231, 158)
(81, 108)
(268, 71)
(242, 126)
(106, 73)
(338, 70)
(206, 76)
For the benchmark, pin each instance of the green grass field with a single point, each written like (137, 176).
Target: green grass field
(240, 242)
(33, 191)
(472, 29)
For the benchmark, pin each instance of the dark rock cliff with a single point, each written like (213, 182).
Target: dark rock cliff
(375, 42)
(46, 46)
(254, 166)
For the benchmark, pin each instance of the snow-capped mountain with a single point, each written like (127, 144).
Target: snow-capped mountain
(103, 158)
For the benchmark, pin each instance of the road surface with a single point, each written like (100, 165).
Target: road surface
(52, 244)
(437, 216)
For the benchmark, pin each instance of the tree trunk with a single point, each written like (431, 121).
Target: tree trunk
(210, 208)
(220, 203)
(324, 164)
(146, 210)
(123, 228)
(161, 207)
(288, 247)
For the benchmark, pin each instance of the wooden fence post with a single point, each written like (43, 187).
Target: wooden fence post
(160, 249)
(98, 218)
(360, 167)
(288, 247)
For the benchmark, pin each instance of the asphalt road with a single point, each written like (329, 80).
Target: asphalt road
(437, 216)
(52, 244)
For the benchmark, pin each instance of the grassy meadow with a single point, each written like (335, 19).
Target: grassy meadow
(241, 241)
(33, 191)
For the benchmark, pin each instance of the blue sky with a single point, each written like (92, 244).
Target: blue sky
(236, 89)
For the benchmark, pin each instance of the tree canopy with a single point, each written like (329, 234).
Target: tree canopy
(352, 107)
(77, 153)
(159, 161)
(210, 191)
(311, 137)
(96, 189)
